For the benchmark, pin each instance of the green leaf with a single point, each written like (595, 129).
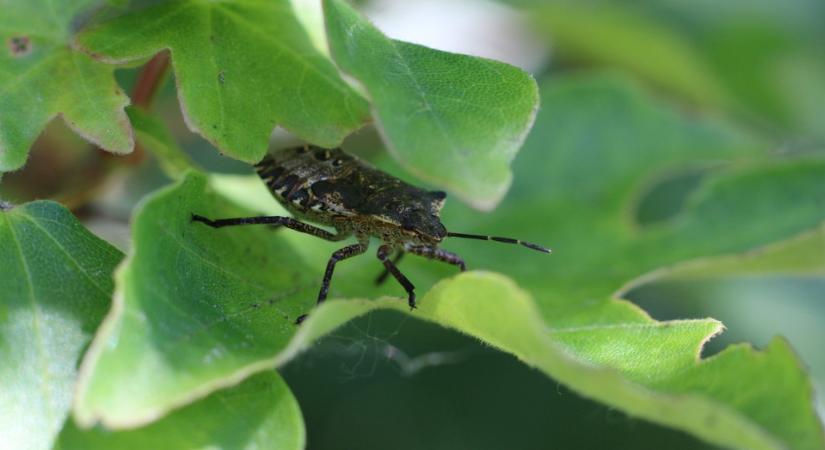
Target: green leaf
(454, 120)
(241, 67)
(193, 310)
(800, 256)
(259, 413)
(54, 290)
(190, 316)
(41, 76)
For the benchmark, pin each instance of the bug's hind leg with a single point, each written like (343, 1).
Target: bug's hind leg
(438, 254)
(383, 276)
(383, 254)
(272, 221)
(340, 255)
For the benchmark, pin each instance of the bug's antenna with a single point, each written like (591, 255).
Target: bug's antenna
(500, 239)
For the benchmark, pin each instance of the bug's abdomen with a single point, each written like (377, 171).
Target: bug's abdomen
(291, 173)
(288, 185)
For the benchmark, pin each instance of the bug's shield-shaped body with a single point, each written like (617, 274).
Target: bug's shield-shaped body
(334, 188)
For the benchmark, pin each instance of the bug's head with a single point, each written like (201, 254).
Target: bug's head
(419, 217)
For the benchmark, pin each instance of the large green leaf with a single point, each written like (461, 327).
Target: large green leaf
(193, 312)
(41, 76)
(54, 291)
(454, 120)
(241, 67)
(189, 317)
(259, 413)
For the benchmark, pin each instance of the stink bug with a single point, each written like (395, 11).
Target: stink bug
(336, 189)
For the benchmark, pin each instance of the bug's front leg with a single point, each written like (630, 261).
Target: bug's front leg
(438, 254)
(383, 254)
(339, 255)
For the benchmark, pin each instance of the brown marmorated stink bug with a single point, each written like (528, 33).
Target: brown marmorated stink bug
(336, 189)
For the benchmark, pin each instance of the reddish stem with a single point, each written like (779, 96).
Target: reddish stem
(150, 80)
(146, 86)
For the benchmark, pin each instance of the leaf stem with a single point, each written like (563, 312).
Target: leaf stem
(150, 79)
(146, 86)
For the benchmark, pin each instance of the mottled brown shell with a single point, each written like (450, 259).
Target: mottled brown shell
(331, 187)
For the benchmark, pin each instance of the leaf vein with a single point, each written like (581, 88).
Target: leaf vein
(44, 381)
(104, 292)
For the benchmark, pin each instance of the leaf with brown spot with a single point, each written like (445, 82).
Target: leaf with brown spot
(41, 76)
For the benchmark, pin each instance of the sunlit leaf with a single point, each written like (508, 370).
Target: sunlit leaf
(454, 120)
(55, 285)
(190, 317)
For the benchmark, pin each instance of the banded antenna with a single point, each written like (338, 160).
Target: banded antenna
(506, 240)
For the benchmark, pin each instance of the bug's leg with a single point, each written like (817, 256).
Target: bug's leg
(383, 276)
(383, 254)
(339, 255)
(276, 221)
(438, 254)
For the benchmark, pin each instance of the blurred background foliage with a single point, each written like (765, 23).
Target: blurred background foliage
(759, 63)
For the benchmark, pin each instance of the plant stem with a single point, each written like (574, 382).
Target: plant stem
(146, 86)
(150, 80)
